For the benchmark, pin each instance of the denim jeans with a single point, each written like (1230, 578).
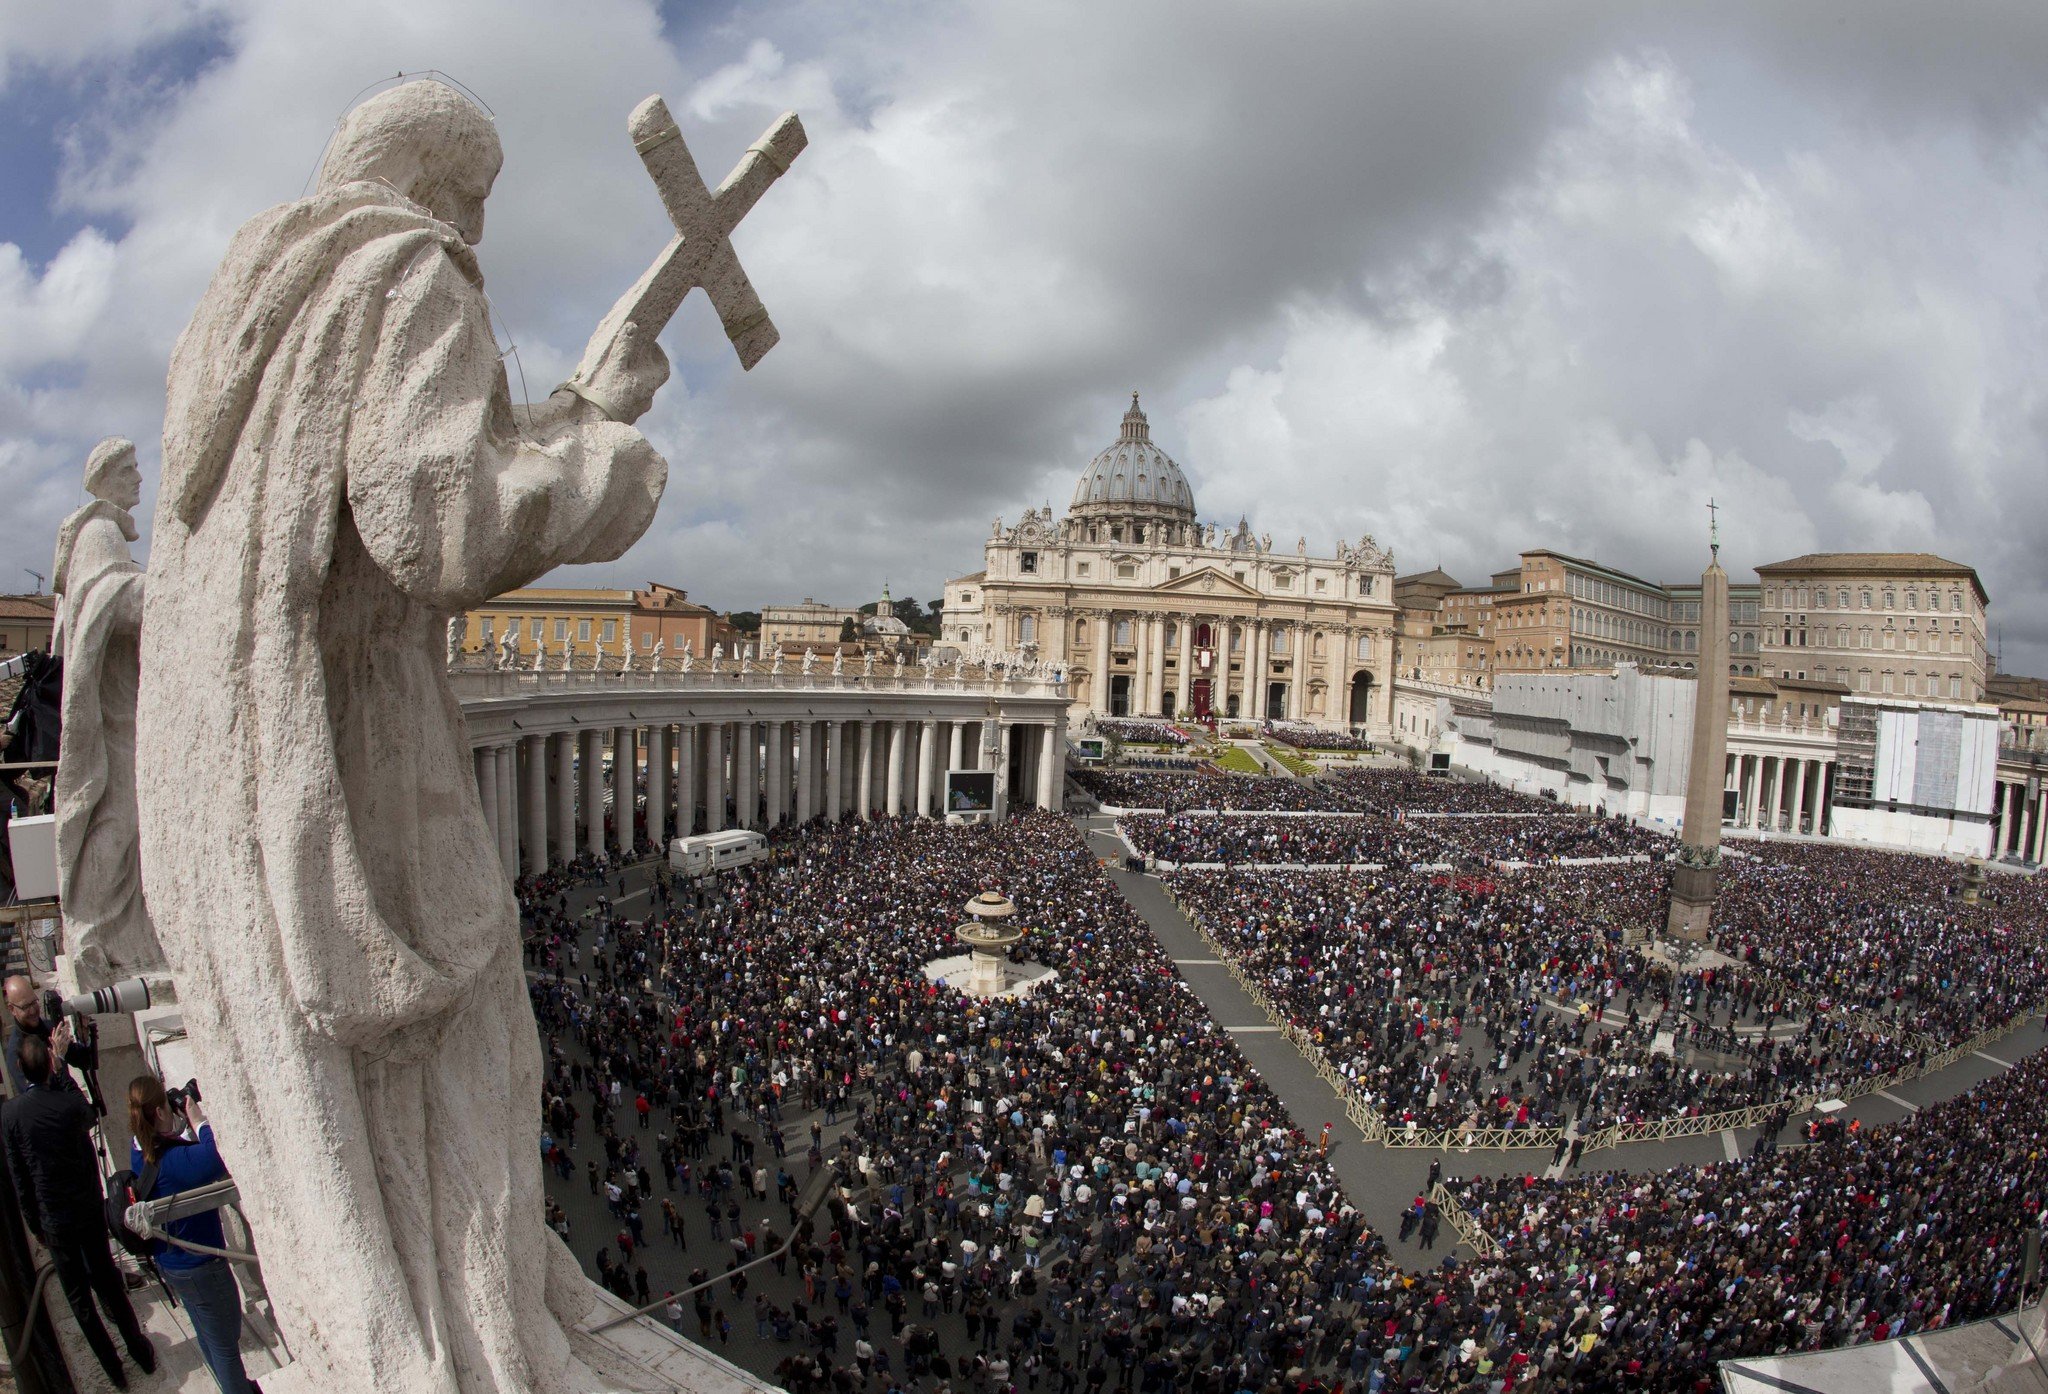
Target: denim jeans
(214, 1304)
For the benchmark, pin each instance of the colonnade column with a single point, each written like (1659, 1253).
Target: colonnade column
(778, 774)
(1751, 778)
(893, 771)
(714, 777)
(1297, 656)
(535, 824)
(590, 788)
(804, 762)
(746, 774)
(625, 789)
(562, 748)
(864, 797)
(686, 779)
(507, 757)
(927, 757)
(657, 787)
(1799, 771)
(835, 769)
(486, 758)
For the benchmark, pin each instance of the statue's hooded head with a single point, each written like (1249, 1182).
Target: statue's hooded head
(427, 141)
(111, 473)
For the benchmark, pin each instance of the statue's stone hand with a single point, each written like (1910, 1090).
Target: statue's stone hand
(622, 373)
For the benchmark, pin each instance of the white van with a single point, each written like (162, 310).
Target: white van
(708, 852)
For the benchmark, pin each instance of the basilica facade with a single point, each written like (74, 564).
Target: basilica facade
(1152, 613)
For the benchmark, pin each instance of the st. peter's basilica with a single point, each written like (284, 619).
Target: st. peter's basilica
(1152, 613)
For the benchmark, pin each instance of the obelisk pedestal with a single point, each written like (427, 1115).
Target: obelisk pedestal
(1696, 878)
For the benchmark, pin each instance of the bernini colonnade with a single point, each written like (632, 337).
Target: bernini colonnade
(712, 750)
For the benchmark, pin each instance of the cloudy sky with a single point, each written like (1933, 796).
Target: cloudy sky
(1470, 277)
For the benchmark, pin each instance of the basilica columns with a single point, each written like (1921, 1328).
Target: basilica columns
(1098, 682)
(1184, 672)
(1051, 768)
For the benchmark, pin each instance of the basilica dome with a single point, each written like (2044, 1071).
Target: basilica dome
(1134, 476)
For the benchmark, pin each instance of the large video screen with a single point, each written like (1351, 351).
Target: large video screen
(970, 791)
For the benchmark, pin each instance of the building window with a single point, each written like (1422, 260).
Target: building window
(484, 630)
(611, 631)
(583, 631)
(1123, 634)
(1080, 568)
(561, 630)
(1955, 685)
(647, 639)
(966, 597)
(1173, 573)
(1126, 571)
(1322, 585)
(1279, 642)
(1365, 585)
(1282, 581)
(1027, 629)
(1365, 647)
(1080, 631)
(1028, 563)
(533, 627)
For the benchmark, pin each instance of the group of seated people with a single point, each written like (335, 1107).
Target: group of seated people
(1138, 732)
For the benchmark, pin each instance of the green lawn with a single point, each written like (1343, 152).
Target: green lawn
(1290, 759)
(1238, 760)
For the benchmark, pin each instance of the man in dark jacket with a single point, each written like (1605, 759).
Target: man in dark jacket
(25, 1018)
(48, 1138)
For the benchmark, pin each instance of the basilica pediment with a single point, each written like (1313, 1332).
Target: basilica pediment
(1207, 580)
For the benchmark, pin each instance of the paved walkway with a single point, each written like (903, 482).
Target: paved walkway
(1380, 1180)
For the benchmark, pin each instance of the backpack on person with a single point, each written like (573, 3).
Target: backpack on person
(125, 1188)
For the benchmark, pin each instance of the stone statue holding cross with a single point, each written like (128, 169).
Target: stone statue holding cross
(344, 470)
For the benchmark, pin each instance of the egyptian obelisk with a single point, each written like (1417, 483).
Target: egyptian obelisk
(1696, 877)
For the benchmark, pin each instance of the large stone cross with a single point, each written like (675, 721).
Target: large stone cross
(700, 254)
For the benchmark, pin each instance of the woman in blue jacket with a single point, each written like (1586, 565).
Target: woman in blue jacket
(201, 1281)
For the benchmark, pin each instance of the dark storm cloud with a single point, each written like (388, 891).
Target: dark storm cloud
(1474, 277)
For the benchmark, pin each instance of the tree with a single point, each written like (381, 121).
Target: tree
(848, 634)
(745, 621)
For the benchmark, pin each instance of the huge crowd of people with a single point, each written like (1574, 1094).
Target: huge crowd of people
(1092, 1184)
(1864, 1235)
(1371, 840)
(1515, 999)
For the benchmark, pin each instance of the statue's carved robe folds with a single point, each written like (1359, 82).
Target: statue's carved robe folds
(106, 926)
(343, 471)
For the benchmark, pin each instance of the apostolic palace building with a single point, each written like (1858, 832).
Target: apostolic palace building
(1152, 613)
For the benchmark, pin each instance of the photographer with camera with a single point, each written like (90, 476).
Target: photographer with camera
(47, 1132)
(169, 1162)
(28, 1017)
